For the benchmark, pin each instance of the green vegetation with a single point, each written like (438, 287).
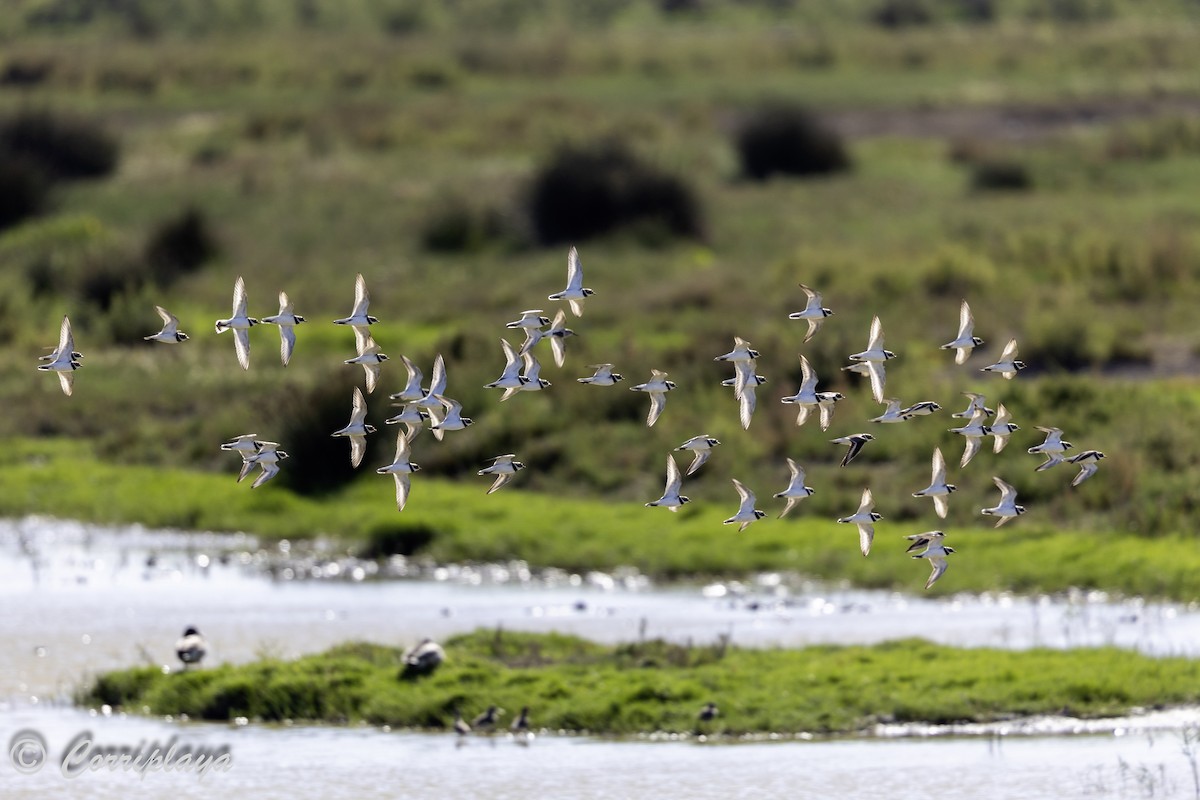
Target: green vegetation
(574, 685)
(297, 143)
(451, 521)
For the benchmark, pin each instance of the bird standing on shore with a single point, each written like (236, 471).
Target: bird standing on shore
(191, 647)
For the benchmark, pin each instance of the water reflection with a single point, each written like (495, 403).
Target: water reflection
(318, 762)
(81, 599)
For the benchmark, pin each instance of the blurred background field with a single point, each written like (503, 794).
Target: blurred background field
(1039, 159)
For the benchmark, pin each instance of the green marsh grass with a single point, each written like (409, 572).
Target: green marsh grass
(317, 148)
(453, 521)
(574, 685)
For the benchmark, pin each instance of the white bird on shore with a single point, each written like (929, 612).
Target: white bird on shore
(812, 313)
(504, 468)
(796, 490)
(1008, 365)
(239, 323)
(702, 446)
(865, 518)
(170, 333)
(603, 375)
(1007, 508)
(977, 403)
(746, 512)
(287, 320)
(575, 292)
(191, 647)
(934, 550)
(401, 469)
(369, 357)
(453, 419)
(1001, 428)
(671, 498)
(510, 379)
(855, 443)
(973, 431)
(359, 318)
(1089, 462)
(965, 341)
(657, 387)
(64, 360)
(938, 489)
(357, 429)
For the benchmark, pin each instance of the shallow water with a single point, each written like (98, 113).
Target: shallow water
(321, 762)
(80, 599)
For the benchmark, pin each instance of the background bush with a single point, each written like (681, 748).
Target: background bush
(24, 191)
(64, 146)
(788, 140)
(594, 189)
(180, 245)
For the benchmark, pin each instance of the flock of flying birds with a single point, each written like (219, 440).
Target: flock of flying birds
(420, 405)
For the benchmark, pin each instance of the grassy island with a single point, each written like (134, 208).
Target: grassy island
(574, 685)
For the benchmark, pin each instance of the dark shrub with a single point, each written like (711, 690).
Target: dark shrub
(106, 274)
(308, 418)
(398, 538)
(179, 245)
(1000, 174)
(902, 13)
(594, 189)
(65, 147)
(458, 225)
(789, 140)
(25, 74)
(24, 191)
